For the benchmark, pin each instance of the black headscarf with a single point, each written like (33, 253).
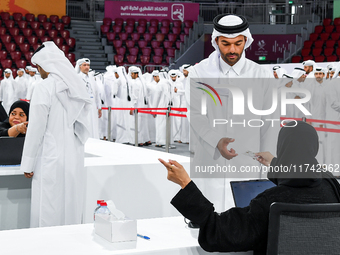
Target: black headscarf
(297, 147)
(20, 104)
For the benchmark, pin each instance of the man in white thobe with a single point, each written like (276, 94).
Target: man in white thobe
(82, 68)
(309, 67)
(21, 86)
(228, 145)
(7, 90)
(53, 154)
(33, 79)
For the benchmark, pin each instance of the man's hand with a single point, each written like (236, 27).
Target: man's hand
(265, 158)
(176, 172)
(131, 112)
(302, 78)
(99, 113)
(222, 147)
(28, 175)
(175, 90)
(22, 127)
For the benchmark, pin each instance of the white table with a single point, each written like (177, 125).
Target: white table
(130, 176)
(169, 236)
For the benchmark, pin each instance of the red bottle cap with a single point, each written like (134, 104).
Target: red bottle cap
(103, 204)
(99, 201)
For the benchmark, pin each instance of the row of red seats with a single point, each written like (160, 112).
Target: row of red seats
(34, 25)
(112, 36)
(299, 59)
(39, 32)
(144, 60)
(118, 45)
(321, 44)
(66, 20)
(134, 51)
(319, 51)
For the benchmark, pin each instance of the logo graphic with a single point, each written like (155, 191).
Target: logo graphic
(261, 45)
(177, 12)
(204, 98)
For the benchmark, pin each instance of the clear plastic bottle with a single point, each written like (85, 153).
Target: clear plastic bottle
(98, 206)
(103, 210)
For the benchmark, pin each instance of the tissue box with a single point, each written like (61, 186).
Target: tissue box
(116, 230)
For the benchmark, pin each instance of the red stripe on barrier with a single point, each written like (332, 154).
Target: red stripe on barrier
(24, 100)
(148, 112)
(324, 121)
(327, 130)
(149, 109)
(178, 115)
(179, 109)
(333, 130)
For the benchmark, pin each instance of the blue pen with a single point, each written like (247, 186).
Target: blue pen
(144, 237)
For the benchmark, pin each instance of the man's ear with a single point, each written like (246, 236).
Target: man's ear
(245, 39)
(216, 39)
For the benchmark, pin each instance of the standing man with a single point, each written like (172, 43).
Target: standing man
(21, 89)
(7, 90)
(227, 145)
(83, 68)
(309, 66)
(53, 154)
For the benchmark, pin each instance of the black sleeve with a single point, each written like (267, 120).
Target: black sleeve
(3, 130)
(238, 229)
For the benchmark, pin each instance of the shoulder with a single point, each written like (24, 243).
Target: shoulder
(259, 71)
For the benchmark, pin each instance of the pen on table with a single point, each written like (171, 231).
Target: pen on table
(144, 237)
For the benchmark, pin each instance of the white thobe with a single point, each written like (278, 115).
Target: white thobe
(176, 103)
(247, 138)
(111, 90)
(102, 122)
(7, 93)
(57, 164)
(21, 87)
(184, 131)
(32, 81)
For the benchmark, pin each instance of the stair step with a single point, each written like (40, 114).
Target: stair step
(90, 55)
(86, 33)
(89, 47)
(88, 40)
(92, 51)
(92, 44)
(97, 59)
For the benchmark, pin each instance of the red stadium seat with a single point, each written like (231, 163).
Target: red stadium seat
(182, 37)
(328, 51)
(121, 51)
(142, 22)
(6, 63)
(313, 36)
(39, 32)
(157, 59)
(337, 29)
(52, 33)
(145, 59)
(331, 58)
(135, 36)
(153, 30)
(141, 29)
(318, 44)
(9, 23)
(71, 57)
(142, 43)
(104, 29)
(118, 59)
(335, 36)
(117, 29)
(130, 43)
(59, 26)
(171, 52)
(45, 39)
(165, 22)
(58, 41)
(330, 44)
(71, 42)
(14, 71)
(327, 22)
(32, 39)
(29, 17)
(129, 29)
(167, 44)
(17, 16)
(3, 30)
(36, 46)
(130, 22)
(42, 18)
(47, 25)
(35, 25)
(305, 52)
(24, 47)
(187, 30)
(27, 32)
(15, 55)
(117, 43)
(146, 51)
(20, 63)
(22, 24)
(316, 52)
(177, 23)
(155, 44)
(169, 60)
(309, 57)
(337, 51)
(132, 59)
(6, 38)
(134, 51)
(28, 55)
(336, 22)
(54, 19)
(165, 30)
(158, 51)
(172, 37)
(123, 36)
(5, 16)
(154, 22)
(147, 37)
(119, 22)
(3, 54)
(329, 29)
(319, 58)
(14, 31)
(107, 22)
(160, 37)
(188, 23)
(324, 36)
(178, 44)
(307, 44)
(65, 34)
(19, 39)
(110, 36)
(65, 48)
(66, 20)
(318, 29)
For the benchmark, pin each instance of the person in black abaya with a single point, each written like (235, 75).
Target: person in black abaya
(245, 229)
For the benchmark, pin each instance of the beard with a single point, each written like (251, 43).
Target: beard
(229, 61)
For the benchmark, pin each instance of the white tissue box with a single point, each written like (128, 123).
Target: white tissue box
(116, 230)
